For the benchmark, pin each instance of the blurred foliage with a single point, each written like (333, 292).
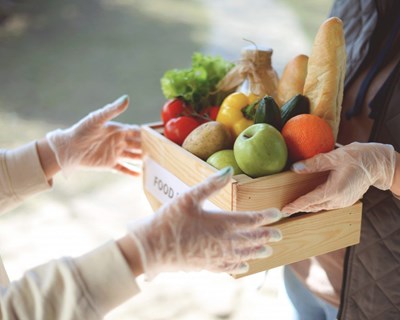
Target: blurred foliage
(311, 13)
(62, 59)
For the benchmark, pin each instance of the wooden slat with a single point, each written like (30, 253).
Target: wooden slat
(275, 190)
(184, 165)
(310, 235)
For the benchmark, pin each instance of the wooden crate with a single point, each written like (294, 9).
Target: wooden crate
(169, 170)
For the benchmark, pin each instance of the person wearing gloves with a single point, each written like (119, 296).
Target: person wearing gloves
(181, 235)
(362, 281)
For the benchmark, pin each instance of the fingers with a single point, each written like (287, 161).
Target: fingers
(212, 184)
(132, 170)
(240, 268)
(257, 236)
(130, 135)
(131, 155)
(318, 163)
(111, 110)
(247, 219)
(249, 253)
(313, 201)
(134, 144)
(254, 252)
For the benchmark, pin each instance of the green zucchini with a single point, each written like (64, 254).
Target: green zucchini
(299, 104)
(268, 112)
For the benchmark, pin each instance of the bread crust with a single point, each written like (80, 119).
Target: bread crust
(292, 79)
(326, 71)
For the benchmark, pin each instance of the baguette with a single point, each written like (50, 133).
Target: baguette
(292, 79)
(326, 71)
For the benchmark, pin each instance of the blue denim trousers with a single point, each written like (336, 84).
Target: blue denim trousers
(307, 306)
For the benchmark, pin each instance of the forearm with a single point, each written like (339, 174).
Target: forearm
(86, 287)
(131, 254)
(47, 159)
(21, 175)
(396, 179)
(126, 244)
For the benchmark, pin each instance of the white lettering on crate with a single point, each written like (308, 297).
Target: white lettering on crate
(164, 185)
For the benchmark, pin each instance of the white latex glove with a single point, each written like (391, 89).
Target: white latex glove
(182, 236)
(353, 169)
(97, 142)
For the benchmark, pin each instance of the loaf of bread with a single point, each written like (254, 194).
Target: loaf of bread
(326, 71)
(292, 79)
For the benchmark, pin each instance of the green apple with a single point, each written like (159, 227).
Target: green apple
(224, 158)
(260, 150)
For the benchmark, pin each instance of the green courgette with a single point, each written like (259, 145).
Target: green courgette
(268, 112)
(299, 104)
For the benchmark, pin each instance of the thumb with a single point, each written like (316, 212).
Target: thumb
(318, 163)
(212, 184)
(316, 200)
(112, 110)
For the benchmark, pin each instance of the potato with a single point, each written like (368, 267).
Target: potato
(207, 139)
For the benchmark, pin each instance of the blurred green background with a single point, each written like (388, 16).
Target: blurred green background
(61, 59)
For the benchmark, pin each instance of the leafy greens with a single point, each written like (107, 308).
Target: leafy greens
(197, 85)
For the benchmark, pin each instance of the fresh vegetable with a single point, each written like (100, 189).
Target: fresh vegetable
(177, 129)
(197, 85)
(237, 112)
(268, 112)
(174, 108)
(210, 113)
(224, 158)
(299, 104)
(207, 139)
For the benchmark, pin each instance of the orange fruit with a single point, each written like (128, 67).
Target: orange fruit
(307, 135)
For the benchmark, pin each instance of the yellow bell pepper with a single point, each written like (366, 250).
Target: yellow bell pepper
(232, 112)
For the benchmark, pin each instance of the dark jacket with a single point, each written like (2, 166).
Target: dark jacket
(371, 281)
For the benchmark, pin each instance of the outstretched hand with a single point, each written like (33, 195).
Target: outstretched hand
(97, 142)
(182, 235)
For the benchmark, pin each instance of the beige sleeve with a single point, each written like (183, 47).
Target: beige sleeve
(87, 288)
(21, 176)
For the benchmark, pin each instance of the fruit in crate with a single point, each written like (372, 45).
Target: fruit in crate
(260, 150)
(268, 112)
(302, 93)
(209, 113)
(177, 129)
(224, 158)
(192, 92)
(237, 112)
(207, 139)
(174, 108)
(298, 104)
(307, 135)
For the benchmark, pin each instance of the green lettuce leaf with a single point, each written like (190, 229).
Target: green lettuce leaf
(197, 85)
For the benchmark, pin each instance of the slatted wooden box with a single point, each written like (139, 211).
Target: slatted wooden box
(169, 170)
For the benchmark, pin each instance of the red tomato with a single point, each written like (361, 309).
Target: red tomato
(174, 108)
(209, 114)
(213, 112)
(177, 129)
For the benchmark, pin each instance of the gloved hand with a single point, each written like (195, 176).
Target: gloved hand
(353, 169)
(95, 141)
(182, 236)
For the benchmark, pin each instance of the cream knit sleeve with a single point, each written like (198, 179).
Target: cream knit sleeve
(87, 287)
(21, 176)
